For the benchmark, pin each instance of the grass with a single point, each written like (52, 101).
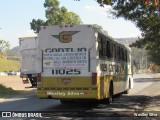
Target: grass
(4, 91)
(6, 65)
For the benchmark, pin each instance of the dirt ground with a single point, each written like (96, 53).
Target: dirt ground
(15, 82)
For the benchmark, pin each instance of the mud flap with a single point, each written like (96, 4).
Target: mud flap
(25, 81)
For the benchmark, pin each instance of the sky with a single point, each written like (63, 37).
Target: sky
(16, 15)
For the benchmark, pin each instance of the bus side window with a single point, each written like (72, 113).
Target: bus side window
(125, 55)
(111, 50)
(108, 53)
(128, 57)
(104, 47)
(100, 49)
(122, 51)
(114, 51)
(117, 52)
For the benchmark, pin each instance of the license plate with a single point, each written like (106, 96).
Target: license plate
(66, 80)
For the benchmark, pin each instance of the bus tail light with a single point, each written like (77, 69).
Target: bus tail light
(94, 78)
(39, 78)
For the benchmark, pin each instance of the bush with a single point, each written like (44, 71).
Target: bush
(154, 68)
(4, 91)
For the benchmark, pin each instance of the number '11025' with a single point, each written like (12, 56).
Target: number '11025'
(66, 72)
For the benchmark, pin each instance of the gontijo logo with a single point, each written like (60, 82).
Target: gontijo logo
(65, 36)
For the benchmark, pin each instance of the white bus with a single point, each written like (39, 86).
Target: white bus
(80, 62)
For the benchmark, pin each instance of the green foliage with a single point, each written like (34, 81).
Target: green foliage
(154, 68)
(36, 25)
(146, 18)
(6, 65)
(100, 28)
(102, 2)
(55, 15)
(4, 47)
(139, 58)
(4, 91)
(154, 56)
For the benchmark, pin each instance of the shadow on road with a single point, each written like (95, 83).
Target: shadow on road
(122, 106)
(147, 80)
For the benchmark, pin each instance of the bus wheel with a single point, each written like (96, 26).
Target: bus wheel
(126, 91)
(66, 101)
(110, 97)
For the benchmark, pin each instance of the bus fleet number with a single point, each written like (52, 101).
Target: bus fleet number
(67, 72)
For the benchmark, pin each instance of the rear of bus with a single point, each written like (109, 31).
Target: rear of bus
(68, 62)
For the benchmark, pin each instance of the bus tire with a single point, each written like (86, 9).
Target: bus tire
(126, 91)
(66, 101)
(110, 97)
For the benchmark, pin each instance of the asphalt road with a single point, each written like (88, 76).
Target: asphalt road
(143, 100)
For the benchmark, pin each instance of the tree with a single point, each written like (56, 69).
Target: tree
(100, 28)
(146, 15)
(139, 58)
(36, 25)
(4, 47)
(55, 15)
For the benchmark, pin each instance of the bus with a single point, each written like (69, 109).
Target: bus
(81, 62)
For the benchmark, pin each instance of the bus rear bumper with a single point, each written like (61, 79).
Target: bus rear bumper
(62, 94)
